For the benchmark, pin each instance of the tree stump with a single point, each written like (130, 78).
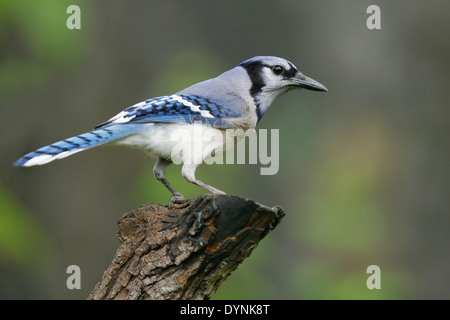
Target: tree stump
(185, 250)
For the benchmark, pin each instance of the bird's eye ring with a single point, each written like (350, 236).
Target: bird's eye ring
(277, 69)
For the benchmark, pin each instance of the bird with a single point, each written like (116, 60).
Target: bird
(236, 99)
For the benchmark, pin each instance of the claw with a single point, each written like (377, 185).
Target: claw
(176, 198)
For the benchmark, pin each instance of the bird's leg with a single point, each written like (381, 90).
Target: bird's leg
(159, 170)
(188, 172)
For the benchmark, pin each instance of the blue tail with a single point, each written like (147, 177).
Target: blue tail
(65, 148)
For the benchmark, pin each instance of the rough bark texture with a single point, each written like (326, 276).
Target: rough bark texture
(184, 251)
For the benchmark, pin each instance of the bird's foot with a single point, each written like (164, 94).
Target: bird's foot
(176, 198)
(217, 191)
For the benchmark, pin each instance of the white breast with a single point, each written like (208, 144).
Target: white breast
(183, 143)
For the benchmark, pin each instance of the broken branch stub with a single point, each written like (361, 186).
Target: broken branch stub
(186, 250)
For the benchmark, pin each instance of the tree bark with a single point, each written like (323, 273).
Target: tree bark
(186, 250)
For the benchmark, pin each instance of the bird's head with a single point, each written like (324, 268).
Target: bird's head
(272, 76)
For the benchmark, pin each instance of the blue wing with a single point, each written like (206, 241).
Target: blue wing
(168, 109)
(175, 109)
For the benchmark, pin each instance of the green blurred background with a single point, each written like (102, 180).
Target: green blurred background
(364, 169)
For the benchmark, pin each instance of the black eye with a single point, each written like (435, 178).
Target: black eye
(277, 69)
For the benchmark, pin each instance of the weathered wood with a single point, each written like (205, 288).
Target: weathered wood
(184, 251)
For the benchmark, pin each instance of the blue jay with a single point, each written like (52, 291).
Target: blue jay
(236, 99)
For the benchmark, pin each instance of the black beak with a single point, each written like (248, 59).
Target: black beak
(300, 80)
